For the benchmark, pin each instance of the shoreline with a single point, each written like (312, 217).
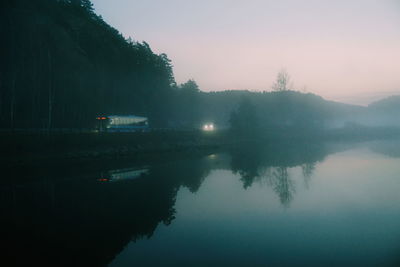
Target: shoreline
(28, 148)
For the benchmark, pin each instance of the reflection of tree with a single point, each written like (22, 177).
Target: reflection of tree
(85, 222)
(272, 161)
(307, 170)
(193, 174)
(282, 185)
(390, 148)
(247, 162)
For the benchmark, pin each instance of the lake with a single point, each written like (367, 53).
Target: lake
(277, 204)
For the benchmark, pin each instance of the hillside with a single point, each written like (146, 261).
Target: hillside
(384, 112)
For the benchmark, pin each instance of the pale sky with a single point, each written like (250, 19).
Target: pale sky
(344, 50)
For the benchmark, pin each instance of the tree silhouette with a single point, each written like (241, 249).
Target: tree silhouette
(282, 82)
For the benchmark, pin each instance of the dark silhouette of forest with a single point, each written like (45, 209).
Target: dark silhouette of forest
(62, 65)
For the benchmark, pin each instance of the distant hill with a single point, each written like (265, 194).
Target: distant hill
(280, 108)
(388, 104)
(385, 112)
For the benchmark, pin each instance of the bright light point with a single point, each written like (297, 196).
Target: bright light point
(208, 127)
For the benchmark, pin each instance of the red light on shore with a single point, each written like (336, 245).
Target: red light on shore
(103, 118)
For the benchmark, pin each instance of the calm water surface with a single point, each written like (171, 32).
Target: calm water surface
(278, 205)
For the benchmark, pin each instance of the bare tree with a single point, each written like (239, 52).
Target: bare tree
(282, 82)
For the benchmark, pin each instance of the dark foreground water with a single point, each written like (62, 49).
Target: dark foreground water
(271, 205)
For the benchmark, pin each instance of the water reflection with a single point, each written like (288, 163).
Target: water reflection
(85, 220)
(307, 170)
(390, 149)
(271, 162)
(123, 174)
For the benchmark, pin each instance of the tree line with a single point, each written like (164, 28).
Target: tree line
(62, 65)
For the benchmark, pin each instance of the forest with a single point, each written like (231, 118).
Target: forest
(62, 65)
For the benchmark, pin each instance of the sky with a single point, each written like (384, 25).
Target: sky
(343, 50)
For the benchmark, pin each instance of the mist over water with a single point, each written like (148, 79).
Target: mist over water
(309, 204)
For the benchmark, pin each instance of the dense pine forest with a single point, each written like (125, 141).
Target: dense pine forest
(62, 65)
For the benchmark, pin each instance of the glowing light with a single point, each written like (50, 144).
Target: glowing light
(208, 127)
